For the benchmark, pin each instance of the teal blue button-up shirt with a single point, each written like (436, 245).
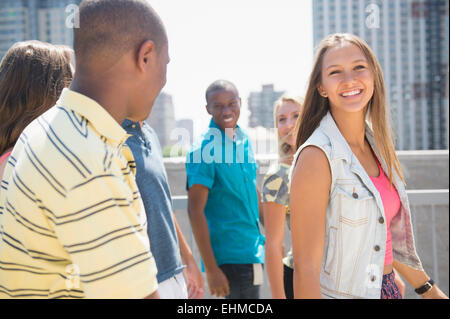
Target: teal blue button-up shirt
(228, 168)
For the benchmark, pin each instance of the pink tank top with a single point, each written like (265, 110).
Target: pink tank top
(391, 204)
(4, 156)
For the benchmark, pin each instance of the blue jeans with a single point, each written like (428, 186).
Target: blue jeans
(240, 280)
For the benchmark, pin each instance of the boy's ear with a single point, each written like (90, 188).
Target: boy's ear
(207, 109)
(145, 54)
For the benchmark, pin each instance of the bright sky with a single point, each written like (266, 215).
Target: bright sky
(249, 42)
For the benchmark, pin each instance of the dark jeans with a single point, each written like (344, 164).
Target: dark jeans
(288, 282)
(240, 280)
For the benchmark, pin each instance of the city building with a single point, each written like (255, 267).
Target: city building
(187, 126)
(260, 105)
(44, 20)
(162, 120)
(411, 41)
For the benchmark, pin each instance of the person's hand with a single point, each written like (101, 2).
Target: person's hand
(194, 281)
(217, 282)
(434, 293)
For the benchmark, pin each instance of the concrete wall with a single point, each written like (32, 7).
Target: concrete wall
(422, 169)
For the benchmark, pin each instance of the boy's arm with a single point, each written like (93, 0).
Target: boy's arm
(194, 279)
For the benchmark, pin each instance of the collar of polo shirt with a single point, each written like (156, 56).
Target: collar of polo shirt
(104, 123)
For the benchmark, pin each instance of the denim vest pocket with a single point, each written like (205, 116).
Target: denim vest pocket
(354, 203)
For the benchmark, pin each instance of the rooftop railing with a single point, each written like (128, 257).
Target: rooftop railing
(433, 202)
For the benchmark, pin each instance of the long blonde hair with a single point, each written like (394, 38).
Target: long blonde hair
(315, 106)
(284, 148)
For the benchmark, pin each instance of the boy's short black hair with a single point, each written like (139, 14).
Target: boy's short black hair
(219, 85)
(110, 28)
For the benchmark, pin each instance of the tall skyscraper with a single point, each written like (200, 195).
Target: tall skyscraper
(162, 119)
(411, 41)
(260, 105)
(43, 20)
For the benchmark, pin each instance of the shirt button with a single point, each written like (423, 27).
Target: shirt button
(355, 195)
(373, 278)
(377, 248)
(381, 220)
(133, 126)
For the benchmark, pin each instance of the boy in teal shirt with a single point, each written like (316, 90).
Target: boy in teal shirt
(223, 200)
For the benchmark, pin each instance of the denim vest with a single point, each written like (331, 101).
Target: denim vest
(355, 241)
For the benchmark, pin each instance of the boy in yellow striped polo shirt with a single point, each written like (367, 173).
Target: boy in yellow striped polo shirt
(72, 220)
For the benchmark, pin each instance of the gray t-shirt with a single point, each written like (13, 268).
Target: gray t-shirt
(151, 179)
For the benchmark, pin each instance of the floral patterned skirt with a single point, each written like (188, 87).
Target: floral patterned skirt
(389, 289)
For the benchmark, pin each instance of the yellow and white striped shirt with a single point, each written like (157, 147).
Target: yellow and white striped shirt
(72, 221)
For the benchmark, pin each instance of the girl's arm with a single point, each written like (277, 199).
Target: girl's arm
(418, 278)
(275, 217)
(310, 189)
